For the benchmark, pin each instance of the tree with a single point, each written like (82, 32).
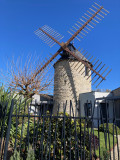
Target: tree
(26, 79)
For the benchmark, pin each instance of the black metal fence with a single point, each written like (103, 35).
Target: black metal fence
(34, 132)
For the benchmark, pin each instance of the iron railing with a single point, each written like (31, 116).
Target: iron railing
(36, 132)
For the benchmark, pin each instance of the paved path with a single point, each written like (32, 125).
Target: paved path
(116, 150)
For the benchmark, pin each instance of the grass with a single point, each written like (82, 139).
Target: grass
(102, 146)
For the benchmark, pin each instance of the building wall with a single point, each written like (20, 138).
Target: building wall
(91, 98)
(69, 83)
(116, 93)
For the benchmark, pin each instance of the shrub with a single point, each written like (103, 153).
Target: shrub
(94, 142)
(44, 130)
(109, 128)
(105, 155)
(16, 156)
(6, 98)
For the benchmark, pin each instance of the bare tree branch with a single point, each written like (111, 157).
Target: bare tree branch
(26, 80)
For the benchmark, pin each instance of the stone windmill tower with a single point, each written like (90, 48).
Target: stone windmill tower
(73, 72)
(68, 80)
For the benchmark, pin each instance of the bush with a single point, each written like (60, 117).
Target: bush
(109, 128)
(44, 130)
(94, 142)
(6, 98)
(105, 155)
(45, 134)
(16, 155)
(88, 122)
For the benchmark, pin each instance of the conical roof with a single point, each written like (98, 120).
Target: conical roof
(66, 55)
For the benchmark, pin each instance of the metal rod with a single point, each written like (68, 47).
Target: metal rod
(8, 130)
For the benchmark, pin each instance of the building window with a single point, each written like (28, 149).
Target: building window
(104, 109)
(86, 71)
(88, 109)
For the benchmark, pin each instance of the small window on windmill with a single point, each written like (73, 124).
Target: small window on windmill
(86, 71)
(65, 80)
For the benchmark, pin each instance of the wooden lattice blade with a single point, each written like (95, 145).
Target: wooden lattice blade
(86, 23)
(82, 61)
(95, 68)
(48, 35)
(51, 59)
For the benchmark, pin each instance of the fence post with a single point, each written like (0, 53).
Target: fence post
(8, 130)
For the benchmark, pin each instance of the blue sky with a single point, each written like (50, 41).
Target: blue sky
(19, 19)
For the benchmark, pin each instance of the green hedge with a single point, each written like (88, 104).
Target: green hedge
(104, 127)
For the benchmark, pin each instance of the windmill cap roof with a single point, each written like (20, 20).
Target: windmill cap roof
(66, 55)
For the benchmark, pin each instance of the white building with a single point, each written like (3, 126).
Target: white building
(99, 105)
(96, 104)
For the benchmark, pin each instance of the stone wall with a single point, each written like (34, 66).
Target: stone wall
(69, 83)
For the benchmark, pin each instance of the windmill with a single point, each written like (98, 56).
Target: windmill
(74, 66)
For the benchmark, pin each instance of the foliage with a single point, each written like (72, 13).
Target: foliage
(94, 142)
(46, 135)
(16, 156)
(6, 99)
(103, 143)
(105, 155)
(86, 122)
(109, 128)
(30, 155)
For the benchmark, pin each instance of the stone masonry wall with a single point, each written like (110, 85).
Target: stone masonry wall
(69, 83)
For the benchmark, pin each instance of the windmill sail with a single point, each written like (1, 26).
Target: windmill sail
(87, 22)
(43, 33)
(78, 31)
